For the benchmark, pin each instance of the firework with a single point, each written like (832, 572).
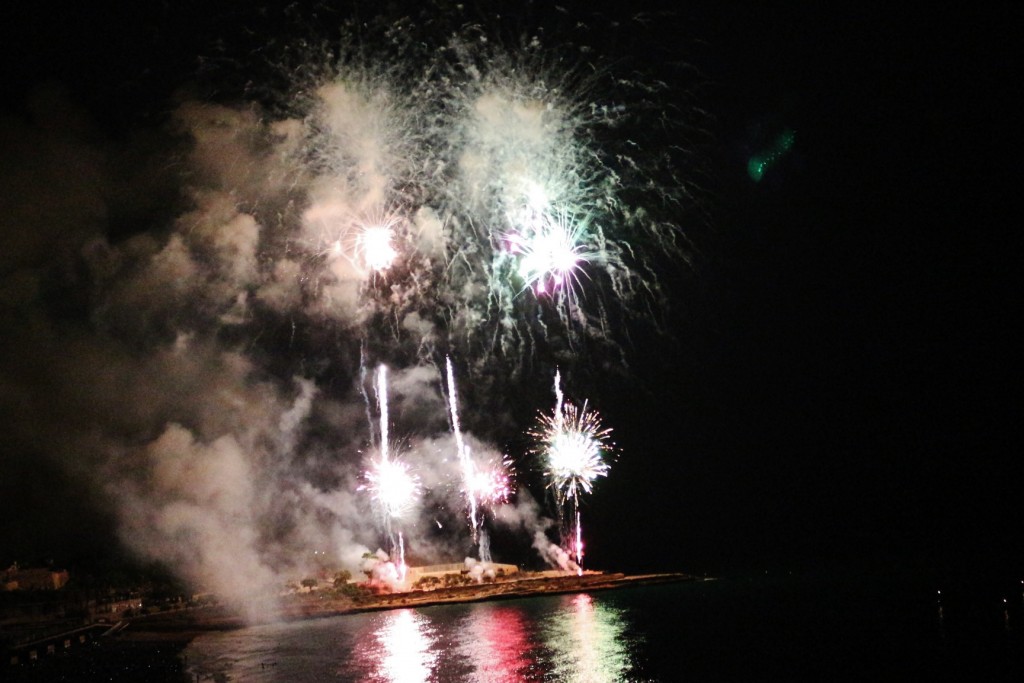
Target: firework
(392, 486)
(375, 244)
(572, 443)
(507, 183)
(490, 483)
(551, 253)
(365, 242)
(484, 483)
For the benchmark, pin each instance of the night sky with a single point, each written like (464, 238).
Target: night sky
(837, 385)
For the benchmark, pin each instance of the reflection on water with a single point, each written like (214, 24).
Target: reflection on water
(496, 642)
(401, 649)
(706, 631)
(588, 642)
(552, 639)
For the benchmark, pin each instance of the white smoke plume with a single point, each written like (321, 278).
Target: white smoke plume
(526, 515)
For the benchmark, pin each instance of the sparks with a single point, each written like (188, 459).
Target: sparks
(374, 244)
(392, 486)
(461, 182)
(573, 443)
(490, 483)
(551, 251)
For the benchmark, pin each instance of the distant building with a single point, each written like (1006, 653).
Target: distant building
(413, 574)
(14, 579)
(119, 607)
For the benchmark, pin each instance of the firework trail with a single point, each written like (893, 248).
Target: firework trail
(484, 483)
(382, 402)
(559, 398)
(579, 539)
(401, 557)
(362, 390)
(485, 546)
(465, 463)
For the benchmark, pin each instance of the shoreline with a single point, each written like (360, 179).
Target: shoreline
(183, 627)
(518, 588)
(152, 647)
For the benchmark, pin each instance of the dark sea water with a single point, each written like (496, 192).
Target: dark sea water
(762, 628)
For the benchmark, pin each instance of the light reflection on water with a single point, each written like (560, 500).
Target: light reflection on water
(496, 642)
(557, 639)
(402, 648)
(588, 642)
(807, 628)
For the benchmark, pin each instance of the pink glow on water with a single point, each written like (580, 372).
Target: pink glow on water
(499, 645)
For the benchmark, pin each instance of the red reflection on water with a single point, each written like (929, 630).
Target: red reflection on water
(499, 646)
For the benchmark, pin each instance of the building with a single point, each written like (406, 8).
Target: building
(41, 579)
(414, 574)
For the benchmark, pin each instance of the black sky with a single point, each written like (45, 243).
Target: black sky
(848, 394)
(841, 386)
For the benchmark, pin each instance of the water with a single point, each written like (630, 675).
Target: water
(754, 629)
